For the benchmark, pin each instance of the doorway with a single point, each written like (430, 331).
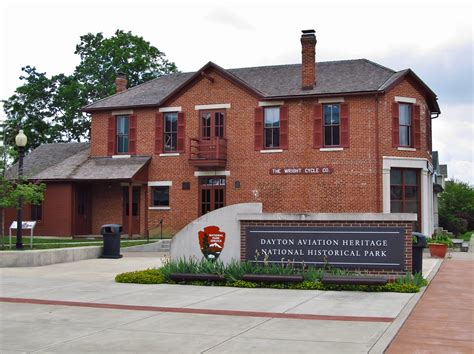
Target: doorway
(211, 194)
(135, 210)
(82, 210)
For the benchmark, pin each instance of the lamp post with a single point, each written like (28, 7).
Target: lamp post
(20, 141)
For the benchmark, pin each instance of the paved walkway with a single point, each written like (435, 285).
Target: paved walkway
(443, 321)
(77, 307)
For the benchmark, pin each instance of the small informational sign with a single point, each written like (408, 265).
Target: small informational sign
(301, 170)
(211, 241)
(343, 247)
(25, 225)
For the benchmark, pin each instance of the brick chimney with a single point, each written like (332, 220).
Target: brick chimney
(120, 82)
(308, 59)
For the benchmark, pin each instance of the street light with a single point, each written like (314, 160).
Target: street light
(20, 141)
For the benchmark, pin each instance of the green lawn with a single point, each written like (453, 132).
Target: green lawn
(46, 243)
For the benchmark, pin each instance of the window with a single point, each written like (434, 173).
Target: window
(405, 124)
(122, 134)
(331, 125)
(170, 132)
(36, 212)
(404, 192)
(160, 196)
(271, 127)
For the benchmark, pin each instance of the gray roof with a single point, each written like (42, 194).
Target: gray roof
(358, 75)
(278, 81)
(72, 161)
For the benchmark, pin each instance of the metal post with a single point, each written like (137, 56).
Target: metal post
(19, 222)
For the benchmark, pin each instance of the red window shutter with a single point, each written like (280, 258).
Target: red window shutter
(132, 135)
(159, 133)
(395, 125)
(318, 126)
(180, 143)
(284, 127)
(258, 128)
(111, 136)
(416, 126)
(344, 125)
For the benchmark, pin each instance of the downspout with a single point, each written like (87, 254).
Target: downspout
(378, 174)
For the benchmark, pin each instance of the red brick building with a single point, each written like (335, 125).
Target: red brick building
(341, 136)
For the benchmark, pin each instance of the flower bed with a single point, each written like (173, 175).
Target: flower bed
(251, 275)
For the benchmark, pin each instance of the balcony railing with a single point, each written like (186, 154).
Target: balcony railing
(208, 153)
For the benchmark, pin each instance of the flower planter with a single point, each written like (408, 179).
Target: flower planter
(438, 250)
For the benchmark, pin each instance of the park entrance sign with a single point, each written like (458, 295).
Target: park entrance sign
(376, 243)
(347, 247)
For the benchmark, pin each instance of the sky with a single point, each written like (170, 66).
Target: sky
(435, 39)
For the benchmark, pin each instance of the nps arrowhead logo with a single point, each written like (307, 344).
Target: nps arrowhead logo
(211, 241)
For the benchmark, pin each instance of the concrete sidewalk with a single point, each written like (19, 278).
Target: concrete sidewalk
(77, 307)
(443, 321)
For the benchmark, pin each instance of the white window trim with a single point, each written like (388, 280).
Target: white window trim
(332, 149)
(123, 112)
(271, 151)
(201, 107)
(159, 208)
(270, 103)
(211, 173)
(121, 156)
(405, 99)
(331, 100)
(401, 148)
(160, 183)
(169, 109)
(168, 154)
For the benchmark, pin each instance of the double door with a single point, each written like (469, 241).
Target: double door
(211, 194)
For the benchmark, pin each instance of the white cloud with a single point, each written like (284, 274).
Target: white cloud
(453, 135)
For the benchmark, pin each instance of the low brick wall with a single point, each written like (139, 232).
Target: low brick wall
(336, 220)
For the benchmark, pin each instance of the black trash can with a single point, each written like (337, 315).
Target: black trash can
(111, 234)
(419, 243)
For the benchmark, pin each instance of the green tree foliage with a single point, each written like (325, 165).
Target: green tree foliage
(12, 190)
(48, 108)
(456, 207)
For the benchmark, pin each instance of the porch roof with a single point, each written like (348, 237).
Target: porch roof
(72, 161)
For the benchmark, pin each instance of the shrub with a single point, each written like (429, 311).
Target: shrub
(242, 284)
(147, 276)
(466, 237)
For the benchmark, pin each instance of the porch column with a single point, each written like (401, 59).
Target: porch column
(130, 209)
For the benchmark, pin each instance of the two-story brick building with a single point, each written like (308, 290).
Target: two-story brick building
(340, 136)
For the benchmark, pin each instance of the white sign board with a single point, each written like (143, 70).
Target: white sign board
(25, 225)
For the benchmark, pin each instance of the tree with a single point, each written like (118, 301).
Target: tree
(48, 108)
(456, 207)
(12, 190)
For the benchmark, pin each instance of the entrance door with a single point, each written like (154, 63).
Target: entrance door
(135, 210)
(211, 194)
(212, 124)
(82, 212)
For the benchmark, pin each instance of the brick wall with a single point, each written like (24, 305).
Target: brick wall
(353, 224)
(354, 186)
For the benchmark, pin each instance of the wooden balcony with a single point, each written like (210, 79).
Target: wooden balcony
(208, 153)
